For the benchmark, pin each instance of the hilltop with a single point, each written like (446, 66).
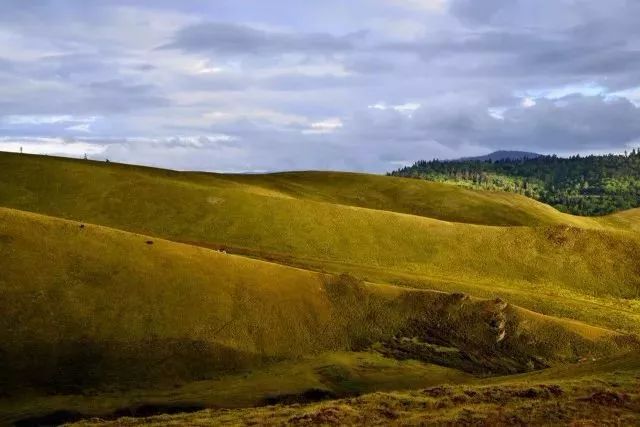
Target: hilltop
(62, 187)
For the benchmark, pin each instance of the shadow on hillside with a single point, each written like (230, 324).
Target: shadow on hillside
(63, 417)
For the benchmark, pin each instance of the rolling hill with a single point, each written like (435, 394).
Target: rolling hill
(127, 287)
(313, 220)
(110, 310)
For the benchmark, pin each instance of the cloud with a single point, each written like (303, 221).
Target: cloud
(36, 119)
(51, 146)
(362, 85)
(235, 39)
(408, 109)
(571, 124)
(324, 126)
(120, 96)
(428, 5)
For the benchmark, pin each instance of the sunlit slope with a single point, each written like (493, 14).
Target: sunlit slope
(48, 183)
(625, 220)
(88, 306)
(411, 196)
(225, 210)
(109, 305)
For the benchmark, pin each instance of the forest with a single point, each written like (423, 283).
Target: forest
(580, 185)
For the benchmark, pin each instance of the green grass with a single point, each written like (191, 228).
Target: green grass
(338, 374)
(96, 319)
(56, 186)
(313, 220)
(106, 313)
(594, 393)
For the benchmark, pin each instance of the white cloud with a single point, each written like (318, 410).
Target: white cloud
(407, 109)
(204, 67)
(84, 127)
(43, 119)
(261, 115)
(428, 5)
(497, 113)
(586, 89)
(528, 102)
(51, 146)
(324, 126)
(36, 120)
(632, 95)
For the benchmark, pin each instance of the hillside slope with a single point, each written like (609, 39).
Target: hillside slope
(56, 185)
(604, 392)
(92, 308)
(373, 283)
(589, 262)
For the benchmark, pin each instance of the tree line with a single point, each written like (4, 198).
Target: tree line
(581, 185)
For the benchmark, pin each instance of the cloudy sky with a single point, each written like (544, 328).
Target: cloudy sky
(262, 85)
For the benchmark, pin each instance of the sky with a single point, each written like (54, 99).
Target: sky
(362, 85)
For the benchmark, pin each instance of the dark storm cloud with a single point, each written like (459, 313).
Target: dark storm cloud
(572, 123)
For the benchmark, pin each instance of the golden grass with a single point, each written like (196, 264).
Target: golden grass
(337, 373)
(108, 311)
(307, 217)
(98, 308)
(610, 397)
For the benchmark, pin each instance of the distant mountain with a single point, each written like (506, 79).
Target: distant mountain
(503, 155)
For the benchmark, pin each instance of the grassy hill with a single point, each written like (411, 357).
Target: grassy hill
(60, 186)
(109, 310)
(312, 220)
(132, 287)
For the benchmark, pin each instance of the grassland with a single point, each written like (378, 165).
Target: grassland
(126, 287)
(592, 394)
(296, 219)
(109, 312)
